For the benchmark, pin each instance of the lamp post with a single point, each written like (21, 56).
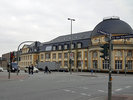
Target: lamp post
(70, 58)
(18, 52)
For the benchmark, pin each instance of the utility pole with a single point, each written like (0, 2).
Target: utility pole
(70, 53)
(110, 69)
(109, 35)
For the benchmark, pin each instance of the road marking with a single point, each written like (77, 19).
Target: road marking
(117, 90)
(85, 88)
(88, 95)
(73, 92)
(101, 91)
(83, 93)
(127, 86)
(67, 90)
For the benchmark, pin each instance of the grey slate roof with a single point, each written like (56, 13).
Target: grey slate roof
(76, 36)
(114, 26)
(82, 37)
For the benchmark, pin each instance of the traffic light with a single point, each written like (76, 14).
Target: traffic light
(12, 56)
(104, 51)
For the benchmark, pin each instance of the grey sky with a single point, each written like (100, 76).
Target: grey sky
(43, 20)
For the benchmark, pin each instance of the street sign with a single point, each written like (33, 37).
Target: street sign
(122, 36)
(102, 32)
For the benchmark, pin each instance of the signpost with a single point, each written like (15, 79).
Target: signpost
(122, 37)
(110, 63)
(110, 37)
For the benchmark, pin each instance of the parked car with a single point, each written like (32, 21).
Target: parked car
(1, 69)
(27, 68)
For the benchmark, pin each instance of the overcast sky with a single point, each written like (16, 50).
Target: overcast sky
(44, 20)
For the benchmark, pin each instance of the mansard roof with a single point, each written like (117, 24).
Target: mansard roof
(76, 36)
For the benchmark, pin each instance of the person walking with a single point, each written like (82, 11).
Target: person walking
(46, 69)
(32, 69)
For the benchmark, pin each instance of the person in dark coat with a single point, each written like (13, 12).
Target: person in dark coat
(46, 69)
(32, 69)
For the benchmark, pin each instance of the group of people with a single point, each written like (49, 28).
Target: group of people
(31, 69)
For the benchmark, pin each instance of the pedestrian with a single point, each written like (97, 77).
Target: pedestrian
(46, 69)
(32, 69)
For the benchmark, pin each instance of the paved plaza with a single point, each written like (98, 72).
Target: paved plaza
(64, 86)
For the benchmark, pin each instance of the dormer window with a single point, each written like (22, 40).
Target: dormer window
(79, 45)
(60, 47)
(72, 46)
(65, 46)
(35, 50)
(54, 47)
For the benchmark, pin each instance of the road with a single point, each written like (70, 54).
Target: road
(63, 86)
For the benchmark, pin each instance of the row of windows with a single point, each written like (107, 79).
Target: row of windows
(79, 63)
(117, 54)
(26, 63)
(29, 57)
(118, 64)
(66, 46)
(48, 55)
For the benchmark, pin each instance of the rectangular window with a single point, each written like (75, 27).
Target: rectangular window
(79, 55)
(65, 63)
(54, 55)
(129, 53)
(86, 54)
(47, 55)
(118, 64)
(30, 57)
(95, 64)
(65, 55)
(79, 63)
(105, 64)
(41, 56)
(60, 55)
(129, 64)
(86, 64)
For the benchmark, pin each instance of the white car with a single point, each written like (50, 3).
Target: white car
(35, 70)
(1, 69)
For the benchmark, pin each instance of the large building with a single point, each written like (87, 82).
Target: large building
(85, 49)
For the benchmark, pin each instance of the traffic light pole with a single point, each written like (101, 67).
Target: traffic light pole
(110, 69)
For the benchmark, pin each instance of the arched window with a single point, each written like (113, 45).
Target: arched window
(94, 54)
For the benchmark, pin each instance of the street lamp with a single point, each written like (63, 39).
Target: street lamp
(71, 46)
(18, 52)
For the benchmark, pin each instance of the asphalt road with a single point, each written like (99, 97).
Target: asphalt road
(63, 86)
